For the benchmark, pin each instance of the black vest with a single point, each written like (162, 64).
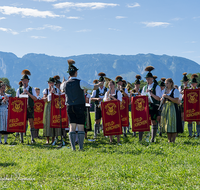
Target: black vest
(74, 93)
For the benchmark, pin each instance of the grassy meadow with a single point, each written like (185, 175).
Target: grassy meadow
(133, 165)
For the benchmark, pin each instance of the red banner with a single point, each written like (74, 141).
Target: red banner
(111, 118)
(124, 106)
(17, 110)
(38, 114)
(192, 105)
(56, 101)
(140, 113)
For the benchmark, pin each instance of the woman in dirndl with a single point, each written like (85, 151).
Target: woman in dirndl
(3, 112)
(171, 115)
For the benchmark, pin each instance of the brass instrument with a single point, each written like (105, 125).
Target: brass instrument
(107, 80)
(129, 86)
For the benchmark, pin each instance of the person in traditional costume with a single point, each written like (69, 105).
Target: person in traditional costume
(37, 90)
(162, 87)
(171, 115)
(4, 97)
(57, 131)
(181, 89)
(136, 92)
(124, 91)
(75, 101)
(88, 126)
(47, 130)
(194, 86)
(97, 97)
(31, 94)
(113, 94)
(155, 92)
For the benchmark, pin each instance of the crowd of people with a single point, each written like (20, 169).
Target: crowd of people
(165, 105)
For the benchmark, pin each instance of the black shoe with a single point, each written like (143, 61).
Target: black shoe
(160, 134)
(21, 141)
(1, 143)
(33, 141)
(125, 135)
(5, 143)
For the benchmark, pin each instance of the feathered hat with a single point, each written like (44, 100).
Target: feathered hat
(123, 83)
(118, 79)
(149, 69)
(20, 84)
(51, 79)
(25, 74)
(162, 82)
(71, 68)
(102, 75)
(138, 78)
(185, 79)
(95, 81)
(57, 79)
(194, 78)
(154, 79)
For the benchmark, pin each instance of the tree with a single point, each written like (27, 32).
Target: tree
(8, 90)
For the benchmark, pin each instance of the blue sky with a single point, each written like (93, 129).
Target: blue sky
(64, 28)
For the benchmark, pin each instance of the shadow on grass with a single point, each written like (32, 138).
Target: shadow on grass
(6, 164)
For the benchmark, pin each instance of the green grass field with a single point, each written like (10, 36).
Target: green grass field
(134, 165)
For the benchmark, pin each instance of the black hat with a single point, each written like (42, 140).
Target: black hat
(101, 74)
(138, 78)
(194, 78)
(71, 68)
(149, 69)
(118, 79)
(25, 74)
(162, 82)
(154, 79)
(51, 79)
(124, 83)
(185, 79)
(57, 79)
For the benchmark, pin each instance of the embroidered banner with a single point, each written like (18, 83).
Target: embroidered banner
(38, 114)
(111, 117)
(124, 106)
(140, 113)
(192, 105)
(17, 111)
(56, 102)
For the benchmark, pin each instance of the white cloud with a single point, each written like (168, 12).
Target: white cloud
(133, 5)
(120, 17)
(114, 29)
(188, 52)
(52, 27)
(196, 17)
(177, 19)
(1, 18)
(38, 37)
(154, 24)
(7, 10)
(84, 30)
(8, 30)
(92, 5)
(73, 17)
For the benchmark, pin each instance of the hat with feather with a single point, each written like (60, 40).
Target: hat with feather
(123, 83)
(51, 79)
(118, 79)
(194, 78)
(138, 78)
(57, 79)
(149, 69)
(185, 79)
(102, 75)
(162, 82)
(71, 68)
(20, 84)
(96, 81)
(25, 74)
(154, 79)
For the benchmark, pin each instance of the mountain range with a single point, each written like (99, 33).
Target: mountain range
(128, 66)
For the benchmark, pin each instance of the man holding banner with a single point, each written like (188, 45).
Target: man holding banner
(75, 101)
(30, 93)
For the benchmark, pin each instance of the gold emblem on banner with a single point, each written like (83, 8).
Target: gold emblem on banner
(38, 107)
(192, 97)
(122, 105)
(111, 109)
(17, 106)
(57, 104)
(140, 104)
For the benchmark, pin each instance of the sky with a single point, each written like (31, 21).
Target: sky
(127, 27)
